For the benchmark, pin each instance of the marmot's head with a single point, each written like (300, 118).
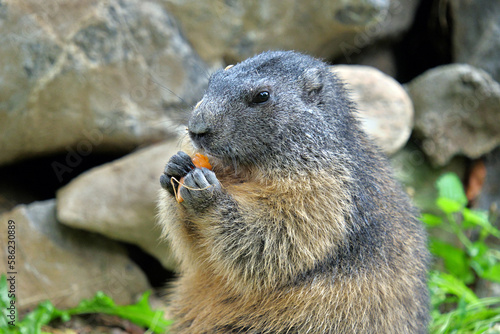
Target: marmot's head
(275, 109)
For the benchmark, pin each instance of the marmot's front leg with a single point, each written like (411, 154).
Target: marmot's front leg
(200, 184)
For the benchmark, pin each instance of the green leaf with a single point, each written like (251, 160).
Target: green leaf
(140, 313)
(479, 218)
(455, 259)
(33, 322)
(448, 205)
(431, 220)
(478, 249)
(449, 186)
(479, 317)
(476, 217)
(492, 273)
(451, 284)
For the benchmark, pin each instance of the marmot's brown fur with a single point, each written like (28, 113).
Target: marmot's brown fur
(299, 227)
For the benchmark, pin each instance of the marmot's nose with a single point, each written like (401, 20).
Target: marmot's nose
(197, 127)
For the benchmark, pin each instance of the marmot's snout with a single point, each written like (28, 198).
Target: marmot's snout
(198, 129)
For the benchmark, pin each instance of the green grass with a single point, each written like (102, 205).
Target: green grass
(140, 313)
(461, 261)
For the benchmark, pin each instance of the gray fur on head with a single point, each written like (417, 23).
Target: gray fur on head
(302, 123)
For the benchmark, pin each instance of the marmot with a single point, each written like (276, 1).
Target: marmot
(299, 227)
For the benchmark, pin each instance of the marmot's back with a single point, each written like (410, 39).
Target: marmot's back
(299, 227)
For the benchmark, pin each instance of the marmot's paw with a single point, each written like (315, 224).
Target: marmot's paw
(199, 189)
(178, 166)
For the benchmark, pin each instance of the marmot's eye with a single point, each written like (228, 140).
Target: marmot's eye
(261, 97)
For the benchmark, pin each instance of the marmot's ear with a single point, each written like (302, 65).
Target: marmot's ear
(312, 79)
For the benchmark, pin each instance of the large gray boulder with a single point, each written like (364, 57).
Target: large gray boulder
(231, 31)
(384, 107)
(476, 34)
(457, 111)
(91, 76)
(118, 200)
(65, 265)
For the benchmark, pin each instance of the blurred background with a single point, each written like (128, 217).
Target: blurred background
(95, 94)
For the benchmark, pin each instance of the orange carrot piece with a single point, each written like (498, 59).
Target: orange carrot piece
(200, 160)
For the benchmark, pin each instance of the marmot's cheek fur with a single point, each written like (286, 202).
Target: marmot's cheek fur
(300, 226)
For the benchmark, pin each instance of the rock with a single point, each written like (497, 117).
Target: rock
(64, 265)
(93, 76)
(380, 55)
(233, 30)
(456, 112)
(385, 108)
(11, 196)
(476, 34)
(118, 200)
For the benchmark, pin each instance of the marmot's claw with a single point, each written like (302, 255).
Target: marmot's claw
(199, 188)
(166, 184)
